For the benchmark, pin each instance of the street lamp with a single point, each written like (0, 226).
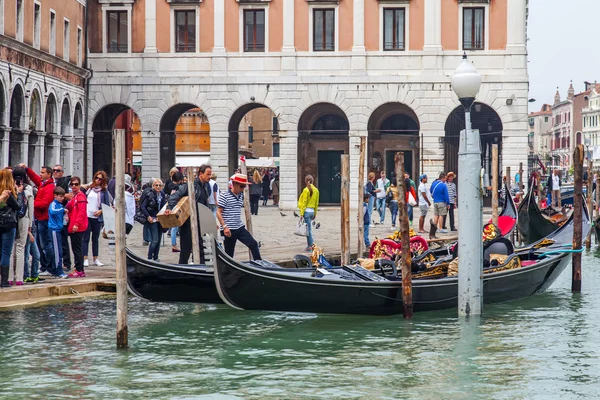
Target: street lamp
(466, 82)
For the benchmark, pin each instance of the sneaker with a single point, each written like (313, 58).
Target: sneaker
(62, 276)
(85, 263)
(97, 263)
(146, 243)
(45, 273)
(371, 226)
(19, 283)
(308, 249)
(175, 250)
(36, 280)
(77, 274)
(443, 230)
(393, 228)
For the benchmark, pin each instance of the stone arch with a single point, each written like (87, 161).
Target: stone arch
(4, 101)
(109, 117)
(322, 138)
(184, 137)
(17, 121)
(51, 126)
(36, 122)
(393, 127)
(66, 133)
(483, 118)
(78, 138)
(253, 129)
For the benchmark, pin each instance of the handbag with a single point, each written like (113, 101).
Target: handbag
(411, 200)
(301, 228)
(139, 217)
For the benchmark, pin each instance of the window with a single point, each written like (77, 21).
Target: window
(20, 20)
(324, 29)
(117, 31)
(66, 40)
(79, 44)
(37, 25)
(276, 150)
(545, 119)
(393, 29)
(52, 47)
(185, 31)
(254, 30)
(473, 28)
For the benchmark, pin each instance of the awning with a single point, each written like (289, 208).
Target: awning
(182, 160)
(263, 162)
(137, 160)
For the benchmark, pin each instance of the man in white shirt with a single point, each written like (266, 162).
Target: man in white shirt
(556, 188)
(424, 202)
(382, 184)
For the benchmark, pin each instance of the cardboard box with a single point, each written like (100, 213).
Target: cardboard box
(179, 214)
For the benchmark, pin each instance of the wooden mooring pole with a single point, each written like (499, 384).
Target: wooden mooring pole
(495, 184)
(196, 240)
(361, 183)
(345, 210)
(577, 217)
(120, 245)
(520, 177)
(247, 212)
(508, 180)
(406, 259)
(597, 214)
(590, 203)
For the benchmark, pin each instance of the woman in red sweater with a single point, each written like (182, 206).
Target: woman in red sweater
(78, 224)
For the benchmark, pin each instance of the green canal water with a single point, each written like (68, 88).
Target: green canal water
(544, 347)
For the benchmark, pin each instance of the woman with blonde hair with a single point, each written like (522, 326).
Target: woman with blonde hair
(255, 192)
(97, 194)
(10, 205)
(308, 203)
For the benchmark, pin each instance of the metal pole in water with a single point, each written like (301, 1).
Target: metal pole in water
(577, 217)
(495, 184)
(345, 210)
(406, 259)
(466, 83)
(361, 182)
(120, 258)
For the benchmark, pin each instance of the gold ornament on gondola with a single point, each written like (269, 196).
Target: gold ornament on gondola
(316, 253)
(490, 232)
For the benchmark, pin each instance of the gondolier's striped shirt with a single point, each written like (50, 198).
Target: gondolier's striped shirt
(231, 209)
(451, 192)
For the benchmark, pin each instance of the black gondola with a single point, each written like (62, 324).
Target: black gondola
(532, 224)
(508, 217)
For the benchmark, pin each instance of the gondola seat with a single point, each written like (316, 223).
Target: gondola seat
(302, 261)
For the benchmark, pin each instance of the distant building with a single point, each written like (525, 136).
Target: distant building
(540, 134)
(42, 83)
(590, 116)
(562, 143)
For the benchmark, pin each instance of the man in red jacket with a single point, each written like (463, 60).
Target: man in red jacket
(43, 199)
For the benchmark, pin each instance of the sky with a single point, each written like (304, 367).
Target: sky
(562, 47)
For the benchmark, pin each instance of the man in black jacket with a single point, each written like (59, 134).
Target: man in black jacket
(203, 191)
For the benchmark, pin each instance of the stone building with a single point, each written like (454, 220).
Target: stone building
(540, 134)
(590, 119)
(562, 143)
(318, 70)
(42, 83)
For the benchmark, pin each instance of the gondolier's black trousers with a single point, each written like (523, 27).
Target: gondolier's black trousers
(243, 236)
(185, 237)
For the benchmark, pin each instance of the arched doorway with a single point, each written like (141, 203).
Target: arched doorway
(66, 135)
(253, 133)
(322, 139)
(51, 152)
(78, 138)
(115, 116)
(483, 118)
(36, 126)
(17, 125)
(184, 138)
(393, 127)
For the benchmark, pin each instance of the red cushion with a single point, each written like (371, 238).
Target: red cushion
(506, 224)
(393, 247)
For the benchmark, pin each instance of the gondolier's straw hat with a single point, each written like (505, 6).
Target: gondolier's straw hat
(240, 178)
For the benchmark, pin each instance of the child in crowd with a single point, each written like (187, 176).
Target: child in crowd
(57, 218)
(366, 220)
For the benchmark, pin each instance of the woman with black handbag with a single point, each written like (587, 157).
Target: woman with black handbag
(151, 205)
(10, 205)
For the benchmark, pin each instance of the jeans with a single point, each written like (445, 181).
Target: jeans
(213, 208)
(154, 246)
(394, 211)
(146, 234)
(44, 242)
(7, 239)
(308, 216)
(17, 266)
(246, 238)
(174, 231)
(548, 198)
(31, 252)
(366, 237)
(381, 208)
(66, 251)
(93, 230)
(58, 256)
(254, 199)
(76, 245)
(410, 213)
(370, 207)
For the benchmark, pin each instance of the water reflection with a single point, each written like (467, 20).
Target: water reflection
(545, 347)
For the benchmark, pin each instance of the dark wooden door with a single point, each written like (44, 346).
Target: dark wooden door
(329, 178)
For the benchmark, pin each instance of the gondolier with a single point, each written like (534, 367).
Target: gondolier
(229, 215)
(203, 191)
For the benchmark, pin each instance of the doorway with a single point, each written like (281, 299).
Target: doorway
(329, 177)
(390, 165)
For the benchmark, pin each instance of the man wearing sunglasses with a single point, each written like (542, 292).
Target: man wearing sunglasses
(60, 180)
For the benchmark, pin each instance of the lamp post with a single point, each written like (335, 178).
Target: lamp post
(466, 82)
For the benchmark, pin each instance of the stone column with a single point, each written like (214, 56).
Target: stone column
(67, 152)
(150, 21)
(4, 146)
(516, 21)
(288, 60)
(359, 56)
(288, 170)
(354, 147)
(150, 154)
(37, 144)
(78, 161)
(219, 153)
(433, 25)
(25, 148)
(219, 62)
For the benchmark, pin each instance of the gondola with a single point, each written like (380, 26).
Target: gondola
(156, 281)
(509, 216)
(532, 224)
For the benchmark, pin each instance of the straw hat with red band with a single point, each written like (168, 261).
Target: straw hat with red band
(240, 178)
